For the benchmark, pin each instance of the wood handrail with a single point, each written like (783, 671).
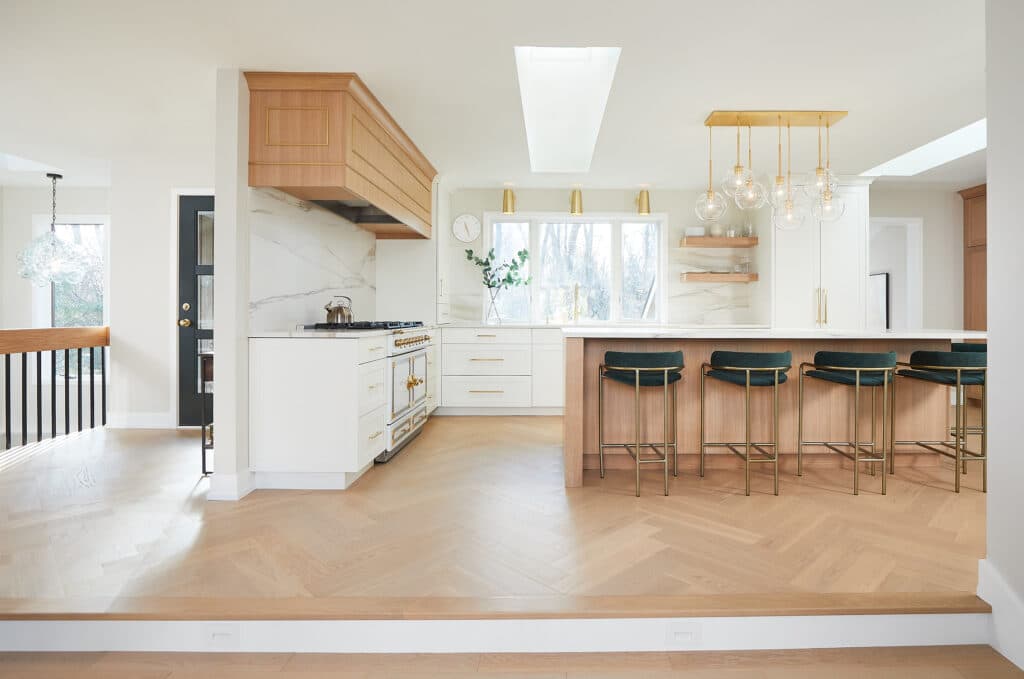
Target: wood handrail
(28, 340)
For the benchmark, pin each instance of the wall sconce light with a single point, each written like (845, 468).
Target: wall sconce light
(576, 203)
(643, 202)
(508, 202)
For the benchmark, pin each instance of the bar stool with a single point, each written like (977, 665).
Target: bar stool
(642, 369)
(969, 346)
(853, 369)
(747, 369)
(957, 369)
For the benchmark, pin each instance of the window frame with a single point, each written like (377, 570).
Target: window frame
(616, 219)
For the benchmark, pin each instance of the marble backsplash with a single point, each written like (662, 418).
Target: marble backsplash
(300, 255)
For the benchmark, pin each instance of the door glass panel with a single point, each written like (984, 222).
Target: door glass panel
(204, 239)
(639, 271)
(203, 346)
(204, 314)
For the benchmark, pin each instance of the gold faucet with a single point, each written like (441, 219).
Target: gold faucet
(576, 302)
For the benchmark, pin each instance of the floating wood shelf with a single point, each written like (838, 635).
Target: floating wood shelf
(712, 277)
(717, 242)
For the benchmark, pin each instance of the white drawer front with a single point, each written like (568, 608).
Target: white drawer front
(494, 359)
(486, 391)
(485, 335)
(372, 348)
(547, 336)
(372, 432)
(372, 387)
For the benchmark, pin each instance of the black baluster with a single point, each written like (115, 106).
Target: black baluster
(78, 355)
(7, 401)
(24, 398)
(92, 388)
(53, 393)
(39, 396)
(103, 384)
(67, 391)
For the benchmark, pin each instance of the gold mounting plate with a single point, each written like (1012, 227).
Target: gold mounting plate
(771, 118)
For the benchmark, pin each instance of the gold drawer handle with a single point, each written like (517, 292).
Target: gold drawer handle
(376, 349)
(487, 391)
(487, 359)
(479, 335)
(375, 435)
(373, 386)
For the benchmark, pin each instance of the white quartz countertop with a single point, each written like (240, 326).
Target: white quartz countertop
(675, 332)
(302, 333)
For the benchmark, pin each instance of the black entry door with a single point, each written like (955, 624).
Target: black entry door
(195, 305)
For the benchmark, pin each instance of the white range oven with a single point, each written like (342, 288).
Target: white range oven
(407, 387)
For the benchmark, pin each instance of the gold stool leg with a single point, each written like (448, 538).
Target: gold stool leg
(775, 432)
(600, 421)
(856, 436)
(665, 422)
(675, 435)
(746, 413)
(800, 424)
(885, 419)
(702, 422)
(963, 421)
(892, 427)
(636, 402)
(956, 435)
(984, 435)
(874, 431)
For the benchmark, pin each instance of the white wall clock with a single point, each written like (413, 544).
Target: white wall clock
(466, 228)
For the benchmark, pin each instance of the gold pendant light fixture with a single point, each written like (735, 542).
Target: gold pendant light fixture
(734, 182)
(778, 195)
(576, 203)
(828, 206)
(508, 202)
(710, 206)
(643, 202)
(821, 179)
(752, 195)
(789, 215)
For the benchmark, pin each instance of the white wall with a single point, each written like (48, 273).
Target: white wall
(688, 303)
(300, 256)
(1001, 577)
(887, 253)
(942, 213)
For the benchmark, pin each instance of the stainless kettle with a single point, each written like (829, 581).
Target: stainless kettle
(339, 309)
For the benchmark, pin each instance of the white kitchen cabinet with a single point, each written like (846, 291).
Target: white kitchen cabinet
(820, 270)
(433, 378)
(548, 376)
(316, 413)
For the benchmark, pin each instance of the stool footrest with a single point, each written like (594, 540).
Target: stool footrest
(931, 445)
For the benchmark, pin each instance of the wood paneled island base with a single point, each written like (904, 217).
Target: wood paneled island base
(922, 409)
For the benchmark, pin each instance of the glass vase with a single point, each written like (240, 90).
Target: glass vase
(492, 317)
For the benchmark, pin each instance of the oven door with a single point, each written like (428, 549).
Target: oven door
(418, 370)
(401, 393)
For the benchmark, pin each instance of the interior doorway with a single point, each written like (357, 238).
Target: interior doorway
(895, 273)
(195, 307)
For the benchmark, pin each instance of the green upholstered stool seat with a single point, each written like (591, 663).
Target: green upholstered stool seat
(940, 367)
(848, 361)
(729, 366)
(648, 378)
(653, 363)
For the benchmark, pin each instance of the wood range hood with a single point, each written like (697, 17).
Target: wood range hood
(324, 137)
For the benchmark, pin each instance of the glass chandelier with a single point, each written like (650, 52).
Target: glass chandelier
(710, 206)
(828, 206)
(48, 259)
(752, 195)
(789, 215)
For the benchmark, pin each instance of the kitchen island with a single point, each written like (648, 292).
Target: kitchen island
(922, 410)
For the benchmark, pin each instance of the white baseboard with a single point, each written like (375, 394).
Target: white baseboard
(1007, 612)
(230, 487)
(307, 480)
(497, 636)
(495, 412)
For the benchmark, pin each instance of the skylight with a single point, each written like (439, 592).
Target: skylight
(564, 92)
(954, 145)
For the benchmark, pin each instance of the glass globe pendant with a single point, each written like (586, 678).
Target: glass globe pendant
(752, 195)
(735, 181)
(48, 259)
(711, 206)
(789, 214)
(821, 179)
(828, 206)
(777, 194)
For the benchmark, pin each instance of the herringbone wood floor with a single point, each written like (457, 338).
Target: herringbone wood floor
(472, 519)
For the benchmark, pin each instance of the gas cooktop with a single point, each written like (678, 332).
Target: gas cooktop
(365, 325)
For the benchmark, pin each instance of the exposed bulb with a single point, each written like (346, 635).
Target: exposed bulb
(829, 207)
(751, 196)
(788, 216)
(820, 181)
(736, 180)
(711, 206)
(777, 196)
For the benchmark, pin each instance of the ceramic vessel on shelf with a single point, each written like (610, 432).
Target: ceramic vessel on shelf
(716, 230)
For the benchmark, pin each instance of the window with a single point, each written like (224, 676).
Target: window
(584, 270)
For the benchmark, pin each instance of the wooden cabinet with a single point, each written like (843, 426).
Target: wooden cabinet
(820, 270)
(975, 259)
(325, 138)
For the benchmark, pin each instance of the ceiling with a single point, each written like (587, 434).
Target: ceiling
(87, 85)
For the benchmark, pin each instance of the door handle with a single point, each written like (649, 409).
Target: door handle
(185, 323)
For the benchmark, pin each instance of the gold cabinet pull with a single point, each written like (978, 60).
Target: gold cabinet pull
(375, 435)
(479, 335)
(487, 391)
(487, 359)
(826, 306)
(817, 306)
